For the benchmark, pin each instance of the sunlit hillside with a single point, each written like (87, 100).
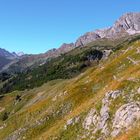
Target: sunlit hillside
(102, 102)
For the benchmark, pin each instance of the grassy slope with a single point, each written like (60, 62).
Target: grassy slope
(65, 66)
(44, 111)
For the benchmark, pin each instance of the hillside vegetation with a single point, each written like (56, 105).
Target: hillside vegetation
(67, 65)
(98, 101)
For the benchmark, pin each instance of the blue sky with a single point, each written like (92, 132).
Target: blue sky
(35, 26)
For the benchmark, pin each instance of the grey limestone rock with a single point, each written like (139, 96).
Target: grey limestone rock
(125, 117)
(86, 38)
(128, 24)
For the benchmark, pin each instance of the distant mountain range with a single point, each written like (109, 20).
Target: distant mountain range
(126, 25)
(7, 54)
(7, 58)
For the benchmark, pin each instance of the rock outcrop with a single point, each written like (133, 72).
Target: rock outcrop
(99, 121)
(125, 117)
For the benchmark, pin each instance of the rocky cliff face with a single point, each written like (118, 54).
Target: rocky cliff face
(128, 24)
(87, 38)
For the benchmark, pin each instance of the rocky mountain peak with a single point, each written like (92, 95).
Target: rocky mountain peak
(129, 21)
(128, 24)
(6, 54)
(20, 54)
(66, 47)
(87, 38)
